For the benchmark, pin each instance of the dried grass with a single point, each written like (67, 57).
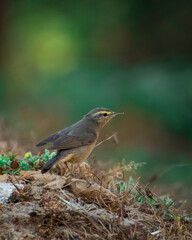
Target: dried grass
(87, 205)
(66, 207)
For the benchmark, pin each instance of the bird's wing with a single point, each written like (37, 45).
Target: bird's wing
(71, 137)
(53, 137)
(68, 141)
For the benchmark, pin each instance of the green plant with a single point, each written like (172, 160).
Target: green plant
(10, 165)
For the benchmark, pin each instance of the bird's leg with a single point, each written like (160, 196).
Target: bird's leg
(79, 167)
(73, 169)
(68, 168)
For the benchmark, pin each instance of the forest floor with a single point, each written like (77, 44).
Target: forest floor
(88, 203)
(50, 206)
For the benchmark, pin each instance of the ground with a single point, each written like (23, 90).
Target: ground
(50, 206)
(89, 203)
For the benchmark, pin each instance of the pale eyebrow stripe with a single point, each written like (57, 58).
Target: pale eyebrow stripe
(108, 112)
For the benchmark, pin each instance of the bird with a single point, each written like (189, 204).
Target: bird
(75, 143)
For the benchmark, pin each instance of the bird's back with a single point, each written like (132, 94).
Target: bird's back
(75, 133)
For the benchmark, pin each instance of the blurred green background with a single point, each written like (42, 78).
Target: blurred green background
(60, 59)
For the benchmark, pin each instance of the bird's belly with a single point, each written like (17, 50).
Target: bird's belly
(77, 155)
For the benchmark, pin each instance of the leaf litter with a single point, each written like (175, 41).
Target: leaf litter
(83, 206)
(94, 203)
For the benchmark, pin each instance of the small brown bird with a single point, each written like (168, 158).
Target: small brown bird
(75, 143)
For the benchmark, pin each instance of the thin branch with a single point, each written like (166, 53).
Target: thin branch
(114, 136)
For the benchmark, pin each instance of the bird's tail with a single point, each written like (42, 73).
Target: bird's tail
(50, 163)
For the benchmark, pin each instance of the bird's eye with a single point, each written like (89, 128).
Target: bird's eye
(104, 114)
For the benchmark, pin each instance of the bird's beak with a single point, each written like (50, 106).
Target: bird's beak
(117, 113)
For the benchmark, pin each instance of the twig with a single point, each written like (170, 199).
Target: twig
(112, 136)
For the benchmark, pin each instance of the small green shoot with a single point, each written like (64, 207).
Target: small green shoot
(10, 165)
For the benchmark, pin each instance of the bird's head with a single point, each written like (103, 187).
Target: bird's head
(101, 116)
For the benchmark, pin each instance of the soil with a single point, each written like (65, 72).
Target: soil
(53, 207)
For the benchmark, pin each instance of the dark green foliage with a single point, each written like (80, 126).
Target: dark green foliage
(29, 162)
